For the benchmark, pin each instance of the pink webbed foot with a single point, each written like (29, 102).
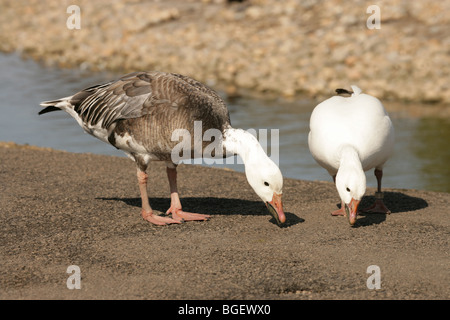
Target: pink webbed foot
(340, 212)
(175, 204)
(182, 216)
(158, 220)
(378, 206)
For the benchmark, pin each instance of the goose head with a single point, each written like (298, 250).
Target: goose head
(266, 179)
(262, 173)
(351, 186)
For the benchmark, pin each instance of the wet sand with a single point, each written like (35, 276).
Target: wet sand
(60, 209)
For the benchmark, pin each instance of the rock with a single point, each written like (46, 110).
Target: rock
(283, 48)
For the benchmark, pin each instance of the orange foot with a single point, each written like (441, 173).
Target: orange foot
(182, 216)
(340, 212)
(377, 207)
(157, 220)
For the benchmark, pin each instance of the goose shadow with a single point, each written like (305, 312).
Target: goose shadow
(213, 206)
(396, 202)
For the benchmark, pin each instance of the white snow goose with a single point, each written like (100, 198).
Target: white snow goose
(138, 114)
(348, 136)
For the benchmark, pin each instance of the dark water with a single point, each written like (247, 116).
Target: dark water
(421, 159)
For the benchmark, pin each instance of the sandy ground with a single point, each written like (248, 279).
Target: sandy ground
(60, 209)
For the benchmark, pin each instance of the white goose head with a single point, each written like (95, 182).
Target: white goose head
(262, 173)
(266, 180)
(350, 182)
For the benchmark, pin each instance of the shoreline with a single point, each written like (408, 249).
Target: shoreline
(14, 145)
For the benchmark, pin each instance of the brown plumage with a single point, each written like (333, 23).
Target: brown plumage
(148, 106)
(138, 114)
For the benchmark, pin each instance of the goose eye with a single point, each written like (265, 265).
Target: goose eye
(266, 183)
(348, 190)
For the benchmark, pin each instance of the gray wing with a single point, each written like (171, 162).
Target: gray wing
(119, 99)
(141, 93)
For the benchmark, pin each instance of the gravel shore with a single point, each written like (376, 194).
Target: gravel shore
(60, 209)
(283, 49)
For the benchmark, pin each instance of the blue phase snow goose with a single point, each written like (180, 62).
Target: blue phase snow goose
(348, 136)
(138, 114)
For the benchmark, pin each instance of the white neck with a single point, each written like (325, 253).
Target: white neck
(244, 144)
(349, 157)
(350, 175)
(262, 173)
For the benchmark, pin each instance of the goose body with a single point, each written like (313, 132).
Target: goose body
(138, 114)
(348, 136)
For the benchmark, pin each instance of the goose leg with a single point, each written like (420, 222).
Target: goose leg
(341, 211)
(147, 212)
(378, 206)
(175, 203)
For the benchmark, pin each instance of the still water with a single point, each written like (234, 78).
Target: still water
(421, 159)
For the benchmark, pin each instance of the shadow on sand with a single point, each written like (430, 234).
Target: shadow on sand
(213, 206)
(397, 202)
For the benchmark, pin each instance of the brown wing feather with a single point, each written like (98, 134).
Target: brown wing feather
(142, 93)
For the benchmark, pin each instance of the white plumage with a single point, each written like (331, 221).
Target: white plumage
(348, 136)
